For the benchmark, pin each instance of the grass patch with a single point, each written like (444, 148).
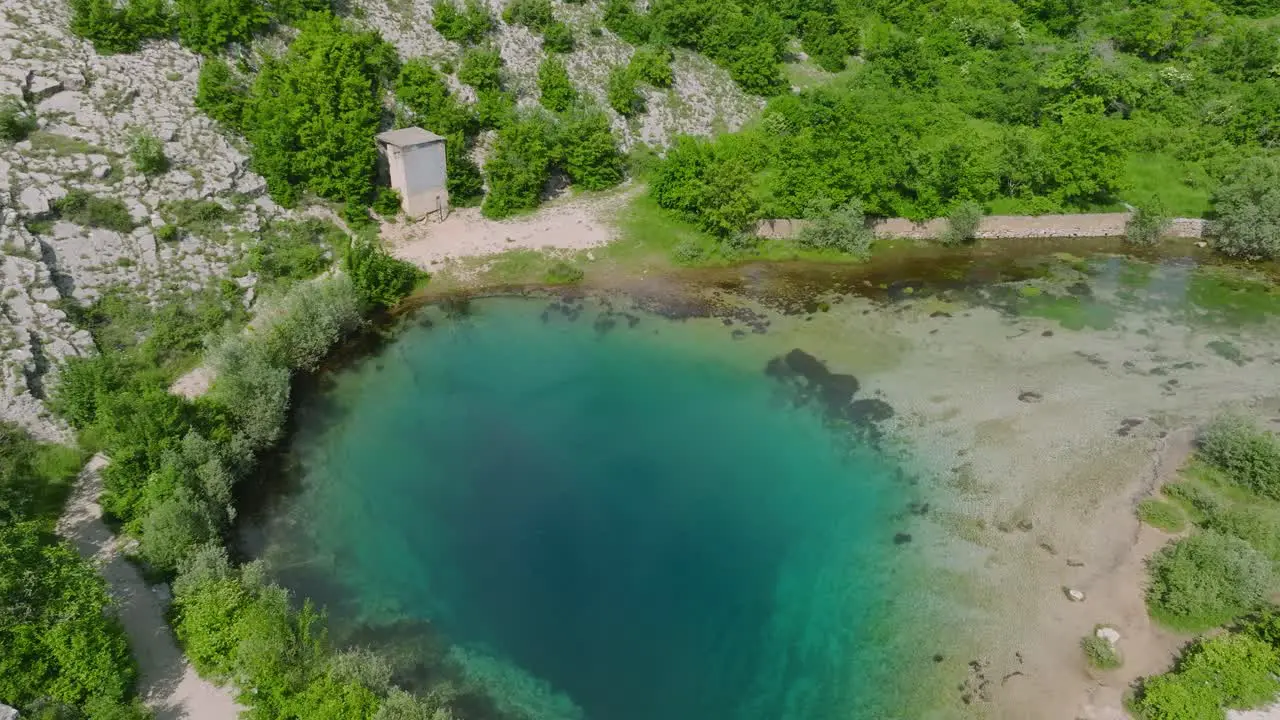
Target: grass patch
(46, 142)
(1183, 188)
(652, 235)
(1162, 514)
(563, 273)
(88, 210)
(202, 218)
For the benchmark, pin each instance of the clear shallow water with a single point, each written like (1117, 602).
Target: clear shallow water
(607, 525)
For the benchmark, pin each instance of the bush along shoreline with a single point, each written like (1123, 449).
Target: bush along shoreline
(1221, 574)
(175, 464)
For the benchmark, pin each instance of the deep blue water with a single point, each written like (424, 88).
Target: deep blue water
(650, 528)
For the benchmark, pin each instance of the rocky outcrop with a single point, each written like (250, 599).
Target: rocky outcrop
(702, 100)
(88, 109)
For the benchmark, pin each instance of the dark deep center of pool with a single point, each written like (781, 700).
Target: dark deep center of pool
(613, 525)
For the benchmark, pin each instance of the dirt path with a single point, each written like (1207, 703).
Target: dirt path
(166, 681)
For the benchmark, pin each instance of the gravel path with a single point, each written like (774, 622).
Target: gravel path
(166, 681)
(999, 227)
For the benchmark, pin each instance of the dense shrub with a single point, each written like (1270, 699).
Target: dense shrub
(387, 203)
(533, 14)
(558, 38)
(622, 94)
(586, 150)
(1257, 525)
(291, 251)
(378, 278)
(481, 68)
(63, 646)
(1248, 455)
(1099, 652)
(962, 223)
(83, 208)
(1206, 580)
(519, 166)
(652, 65)
(147, 153)
(116, 28)
(426, 101)
(60, 639)
(1248, 207)
(16, 120)
(207, 26)
(555, 90)
(495, 109)
(1147, 223)
(621, 18)
(220, 94)
(843, 229)
(707, 185)
(312, 115)
(1236, 670)
(465, 183)
(466, 26)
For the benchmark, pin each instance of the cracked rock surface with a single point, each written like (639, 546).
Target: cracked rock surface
(88, 108)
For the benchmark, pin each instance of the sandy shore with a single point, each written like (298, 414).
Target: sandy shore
(166, 681)
(1044, 440)
(574, 223)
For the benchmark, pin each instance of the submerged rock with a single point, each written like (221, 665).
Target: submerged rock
(1073, 595)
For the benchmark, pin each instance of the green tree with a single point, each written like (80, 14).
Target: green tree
(379, 279)
(481, 68)
(207, 26)
(106, 25)
(1248, 207)
(1205, 580)
(1248, 455)
(220, 94)
(330, 699)
(558, 38)
(621, 18)
(1235, 670)
(587, 150)
(177, 525)
(424, 94)
(622, 94)
(533, 14)
(652, 65)
(59, 636)
(519, 166)
(556, 91)
(466, 26)
(311, 116)
(757, 70)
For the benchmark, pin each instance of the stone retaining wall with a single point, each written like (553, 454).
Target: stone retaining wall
(1002, 226)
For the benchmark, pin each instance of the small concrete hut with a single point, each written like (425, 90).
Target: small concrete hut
(415, 166)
